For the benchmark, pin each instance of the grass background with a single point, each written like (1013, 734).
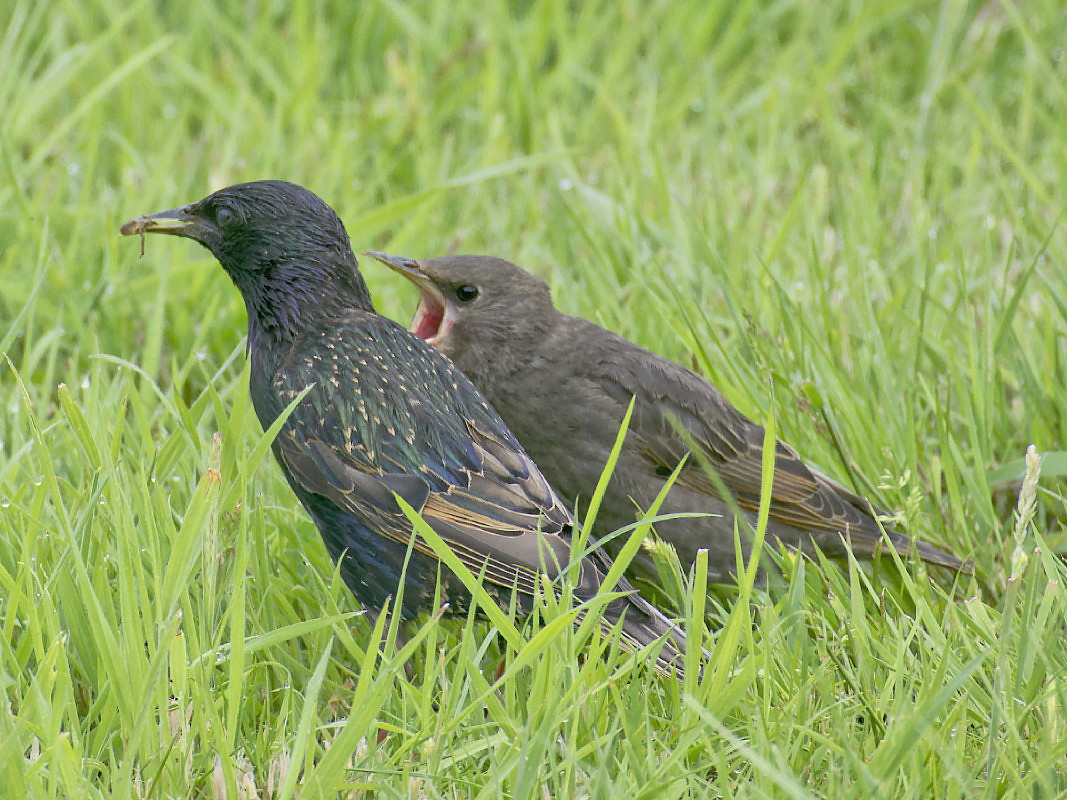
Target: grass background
(848, 215)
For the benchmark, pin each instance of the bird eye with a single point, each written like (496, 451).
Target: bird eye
(466, 293)
(224, 215)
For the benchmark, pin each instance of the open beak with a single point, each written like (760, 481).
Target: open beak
(435, 316)
(181, 221)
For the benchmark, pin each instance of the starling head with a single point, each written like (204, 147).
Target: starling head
(284, 248)
(472, 304)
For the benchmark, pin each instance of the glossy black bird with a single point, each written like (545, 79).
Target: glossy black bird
(563, 384)
(386, 413)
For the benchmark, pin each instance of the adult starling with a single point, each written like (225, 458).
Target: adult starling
(386, 416)
(563, 385)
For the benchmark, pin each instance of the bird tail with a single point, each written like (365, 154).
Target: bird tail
(642, 625)
(869, 542)
(928, 553)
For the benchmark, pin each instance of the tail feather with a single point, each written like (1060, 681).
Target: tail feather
(865, 542)
(642, 625)
(934, 555)
(867, 538)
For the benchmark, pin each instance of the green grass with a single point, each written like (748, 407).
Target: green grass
(847, 215)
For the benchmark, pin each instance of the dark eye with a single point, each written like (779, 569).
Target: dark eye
(224, 215)
(466, 293)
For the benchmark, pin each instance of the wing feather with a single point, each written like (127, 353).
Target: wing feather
(669, 395)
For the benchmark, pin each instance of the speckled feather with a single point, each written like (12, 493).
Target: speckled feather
(393, 415)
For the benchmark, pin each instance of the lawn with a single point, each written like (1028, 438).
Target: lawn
(845, 214)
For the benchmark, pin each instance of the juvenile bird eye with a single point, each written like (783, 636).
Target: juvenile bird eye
(466, 293)
(223, 215)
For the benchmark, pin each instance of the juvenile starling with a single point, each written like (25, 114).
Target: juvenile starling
(563, 384)
(386, 413)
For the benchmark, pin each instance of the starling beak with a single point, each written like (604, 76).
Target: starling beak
(434, 317)
(181, 221)
(563, 384)
(387, 416)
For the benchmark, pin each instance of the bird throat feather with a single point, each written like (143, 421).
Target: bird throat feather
(284, 298)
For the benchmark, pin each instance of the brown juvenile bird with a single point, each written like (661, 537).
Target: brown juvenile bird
(563, 385)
